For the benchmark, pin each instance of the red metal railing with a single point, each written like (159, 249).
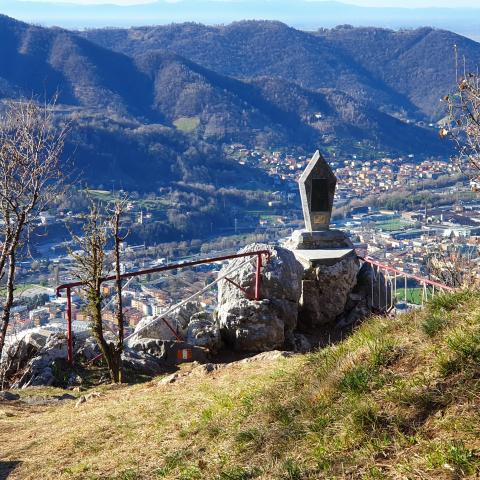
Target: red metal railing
(420, 280)
(69, 286)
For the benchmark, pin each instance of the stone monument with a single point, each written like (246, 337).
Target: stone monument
(327, 256)
(317, 191)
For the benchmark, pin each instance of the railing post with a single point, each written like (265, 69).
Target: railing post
(379, 289)
(258, 277)
(373, 279)
(69, 328)
(385, 276)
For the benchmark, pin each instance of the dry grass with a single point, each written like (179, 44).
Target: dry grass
(399, 399)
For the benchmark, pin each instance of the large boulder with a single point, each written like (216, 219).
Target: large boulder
(203, 331)
(142, 362)
(166, 352)
(178, 320)
(34, 359)
(254, 326)
(325, 292)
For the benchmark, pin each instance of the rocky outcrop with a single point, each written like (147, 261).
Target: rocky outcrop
(142, 362)
(203, 331)
(164, 352)
(35, 358)
(325, 292)
(178, 320)
(254, 326)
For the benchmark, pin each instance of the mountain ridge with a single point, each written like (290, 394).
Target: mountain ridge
(299, 14)
(256, 83)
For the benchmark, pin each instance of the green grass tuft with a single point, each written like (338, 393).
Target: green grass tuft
(434, 323)
(239, 473)
(454, 456)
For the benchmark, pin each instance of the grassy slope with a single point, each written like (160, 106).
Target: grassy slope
(398, 399)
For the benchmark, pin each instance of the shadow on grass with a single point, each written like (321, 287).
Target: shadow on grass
(6, 468)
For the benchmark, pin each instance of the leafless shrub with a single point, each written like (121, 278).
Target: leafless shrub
(463, 121)
(454, 267)
(92, 261)
(30, 179)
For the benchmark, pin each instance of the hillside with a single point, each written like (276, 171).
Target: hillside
(399, 398)
(257, 83)
(390, 70)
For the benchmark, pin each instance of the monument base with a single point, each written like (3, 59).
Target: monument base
(325, 247)
(318, 240)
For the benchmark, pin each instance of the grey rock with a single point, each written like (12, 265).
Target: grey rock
(88, 348)
(142, 363)
(254, 326)
(8, 396)
(166, 351)
(301, 343)
(86, 398)
(207, 368)
(372, 286)
(32, 357)
(169, 379)
(151, 346)
(47, 399)
(178, 320)
(74, 380)
(325, 291)
(267, 356)
(203, 331)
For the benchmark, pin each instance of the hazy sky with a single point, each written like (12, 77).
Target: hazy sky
(367, 3)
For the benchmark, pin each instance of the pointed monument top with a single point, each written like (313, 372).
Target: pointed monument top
(317, 190)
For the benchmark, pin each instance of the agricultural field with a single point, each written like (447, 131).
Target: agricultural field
(187, 124)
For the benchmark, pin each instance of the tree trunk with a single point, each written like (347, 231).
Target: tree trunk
(108, 349)
(118, 282)
(8, 301)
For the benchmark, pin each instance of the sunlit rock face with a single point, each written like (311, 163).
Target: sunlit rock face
(254, 326)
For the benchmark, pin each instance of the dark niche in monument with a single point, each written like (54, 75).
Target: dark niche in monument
(317, 190)
(319, 196)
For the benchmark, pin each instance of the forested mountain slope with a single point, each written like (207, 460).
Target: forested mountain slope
(145, 102)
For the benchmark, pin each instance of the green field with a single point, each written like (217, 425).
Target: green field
(103, 195)
(393, 225)
(187, 124)
(414, 295)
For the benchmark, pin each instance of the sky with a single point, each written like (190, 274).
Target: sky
(365, 3)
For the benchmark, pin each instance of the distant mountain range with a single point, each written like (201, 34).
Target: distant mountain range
(304, 14)
(153, 105)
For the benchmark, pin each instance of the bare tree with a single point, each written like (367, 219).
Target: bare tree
(454, 267)
(118, 209)
(92, 266)
(463, 125)
(30, 179)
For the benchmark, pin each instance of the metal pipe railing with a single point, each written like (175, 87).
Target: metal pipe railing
(69, 286)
